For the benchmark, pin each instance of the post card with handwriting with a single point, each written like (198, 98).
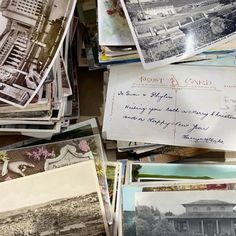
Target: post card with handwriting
(173, 105)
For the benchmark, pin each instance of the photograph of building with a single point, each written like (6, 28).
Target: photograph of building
(206, 217)
(185, 213)
(167, 30)
(29, 41)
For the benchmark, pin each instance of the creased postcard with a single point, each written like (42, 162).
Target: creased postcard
(31, 35)
(174, 105)
(169, 31)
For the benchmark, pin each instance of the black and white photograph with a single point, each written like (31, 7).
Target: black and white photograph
(186, 213)
(171, 30)
(30, 38)
(58, 202)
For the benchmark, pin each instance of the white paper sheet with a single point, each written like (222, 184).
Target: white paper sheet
(173, 105)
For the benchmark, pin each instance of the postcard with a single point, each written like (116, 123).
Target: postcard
(81, 129)
(229, 45)
(214, 59)
(112, 173)
(161, 158)
(113, 27)
(31, 37)
(39, 158)
(21, 162)
(168, 31)
(43, 208)
(124, 145)
(174, 105)
(158, 172)
(66, 86)
(118, 203)
(31, 128)
(129, 192)
(185, 213)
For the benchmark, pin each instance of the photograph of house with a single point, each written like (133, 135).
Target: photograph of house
(29, 39)
(169, 30)
(206, 217)
(186, 213)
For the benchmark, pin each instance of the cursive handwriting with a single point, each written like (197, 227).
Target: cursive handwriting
(223, 115)
(136, 108)
(155, 94)
(162, 123)
(160, 96)
(197, 127)
(151, 109)
(203, 139)
(128, 93)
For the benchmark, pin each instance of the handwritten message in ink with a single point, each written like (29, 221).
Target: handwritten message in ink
(175, 105)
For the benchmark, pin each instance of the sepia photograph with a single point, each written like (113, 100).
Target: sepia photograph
(43, 157)
(30, 37)
(42, 208)
(186, 213)
(168, 31)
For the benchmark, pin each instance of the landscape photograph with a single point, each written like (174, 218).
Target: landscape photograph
(57, 202)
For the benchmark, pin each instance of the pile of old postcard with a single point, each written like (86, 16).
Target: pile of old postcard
(38, 86)
(62, 186)
(187, 97)
(176, 200)
(164, 31)
(115, 39)
(177, 105)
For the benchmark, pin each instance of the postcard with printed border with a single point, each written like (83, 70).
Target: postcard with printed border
(168, 31)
